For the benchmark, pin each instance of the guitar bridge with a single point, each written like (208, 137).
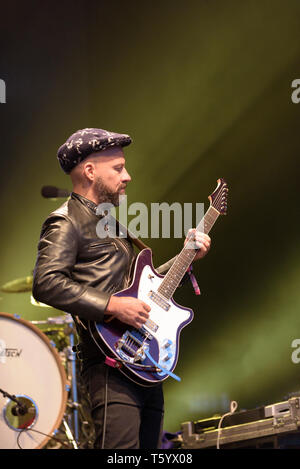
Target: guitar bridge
(131, 346)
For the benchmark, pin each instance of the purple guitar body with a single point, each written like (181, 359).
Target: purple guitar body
(149, 355)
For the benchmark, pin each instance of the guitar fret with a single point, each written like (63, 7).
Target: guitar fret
(208, 220)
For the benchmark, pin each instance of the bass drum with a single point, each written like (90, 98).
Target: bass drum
(31, 371)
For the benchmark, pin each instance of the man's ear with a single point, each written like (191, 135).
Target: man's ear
(89, 170)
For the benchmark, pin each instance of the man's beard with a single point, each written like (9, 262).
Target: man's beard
(105, 195)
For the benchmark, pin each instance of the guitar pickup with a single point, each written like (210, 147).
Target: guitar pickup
(159, 300)
(151, 325)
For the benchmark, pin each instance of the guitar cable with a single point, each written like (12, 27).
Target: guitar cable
(51, 437)
(105, 408)
(106, 403)
(122, 361)
(233, 407)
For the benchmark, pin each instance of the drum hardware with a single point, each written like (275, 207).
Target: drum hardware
(31, 369)
(69, 434)
(20, 412)
(77, 414)
(69, 359)
(35, 367)
(13, 398)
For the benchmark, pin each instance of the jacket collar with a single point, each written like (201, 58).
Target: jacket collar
(88, 203)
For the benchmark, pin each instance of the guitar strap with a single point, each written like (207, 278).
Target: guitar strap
(137, 242)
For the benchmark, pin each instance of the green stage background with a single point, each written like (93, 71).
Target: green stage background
(204, 89)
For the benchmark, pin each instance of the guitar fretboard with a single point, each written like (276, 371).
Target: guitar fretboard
(186, 256)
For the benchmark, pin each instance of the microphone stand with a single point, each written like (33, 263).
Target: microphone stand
(23, 409)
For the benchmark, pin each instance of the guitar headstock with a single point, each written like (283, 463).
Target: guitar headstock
(218, 199)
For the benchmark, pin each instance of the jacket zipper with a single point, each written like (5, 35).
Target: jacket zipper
(125, 248)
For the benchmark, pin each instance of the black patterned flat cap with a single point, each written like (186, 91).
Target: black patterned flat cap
(85, 142)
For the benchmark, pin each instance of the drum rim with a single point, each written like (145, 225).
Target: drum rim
(62, 372)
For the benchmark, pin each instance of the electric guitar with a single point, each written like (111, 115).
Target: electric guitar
(149, 355)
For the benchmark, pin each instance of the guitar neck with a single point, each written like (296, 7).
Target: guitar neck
(184, 259)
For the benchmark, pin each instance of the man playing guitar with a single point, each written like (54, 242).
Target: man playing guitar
(78, 273)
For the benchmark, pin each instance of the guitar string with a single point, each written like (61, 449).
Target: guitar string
(218, 199)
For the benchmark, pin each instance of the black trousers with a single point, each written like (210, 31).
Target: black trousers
(125, 415)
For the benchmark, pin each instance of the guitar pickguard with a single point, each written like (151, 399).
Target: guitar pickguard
(165, 318)
(149, 354)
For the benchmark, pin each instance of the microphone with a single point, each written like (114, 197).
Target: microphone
(19, 410)
(52, 192)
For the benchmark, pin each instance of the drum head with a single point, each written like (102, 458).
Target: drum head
(30, 370)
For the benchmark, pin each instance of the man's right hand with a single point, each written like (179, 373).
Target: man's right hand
(129, 310)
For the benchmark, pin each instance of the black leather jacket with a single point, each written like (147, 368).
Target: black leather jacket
(76, 271)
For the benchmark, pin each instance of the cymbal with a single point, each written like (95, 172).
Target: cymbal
(37, 303)
(19, 285)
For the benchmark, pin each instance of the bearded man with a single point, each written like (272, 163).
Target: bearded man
(78, 273)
